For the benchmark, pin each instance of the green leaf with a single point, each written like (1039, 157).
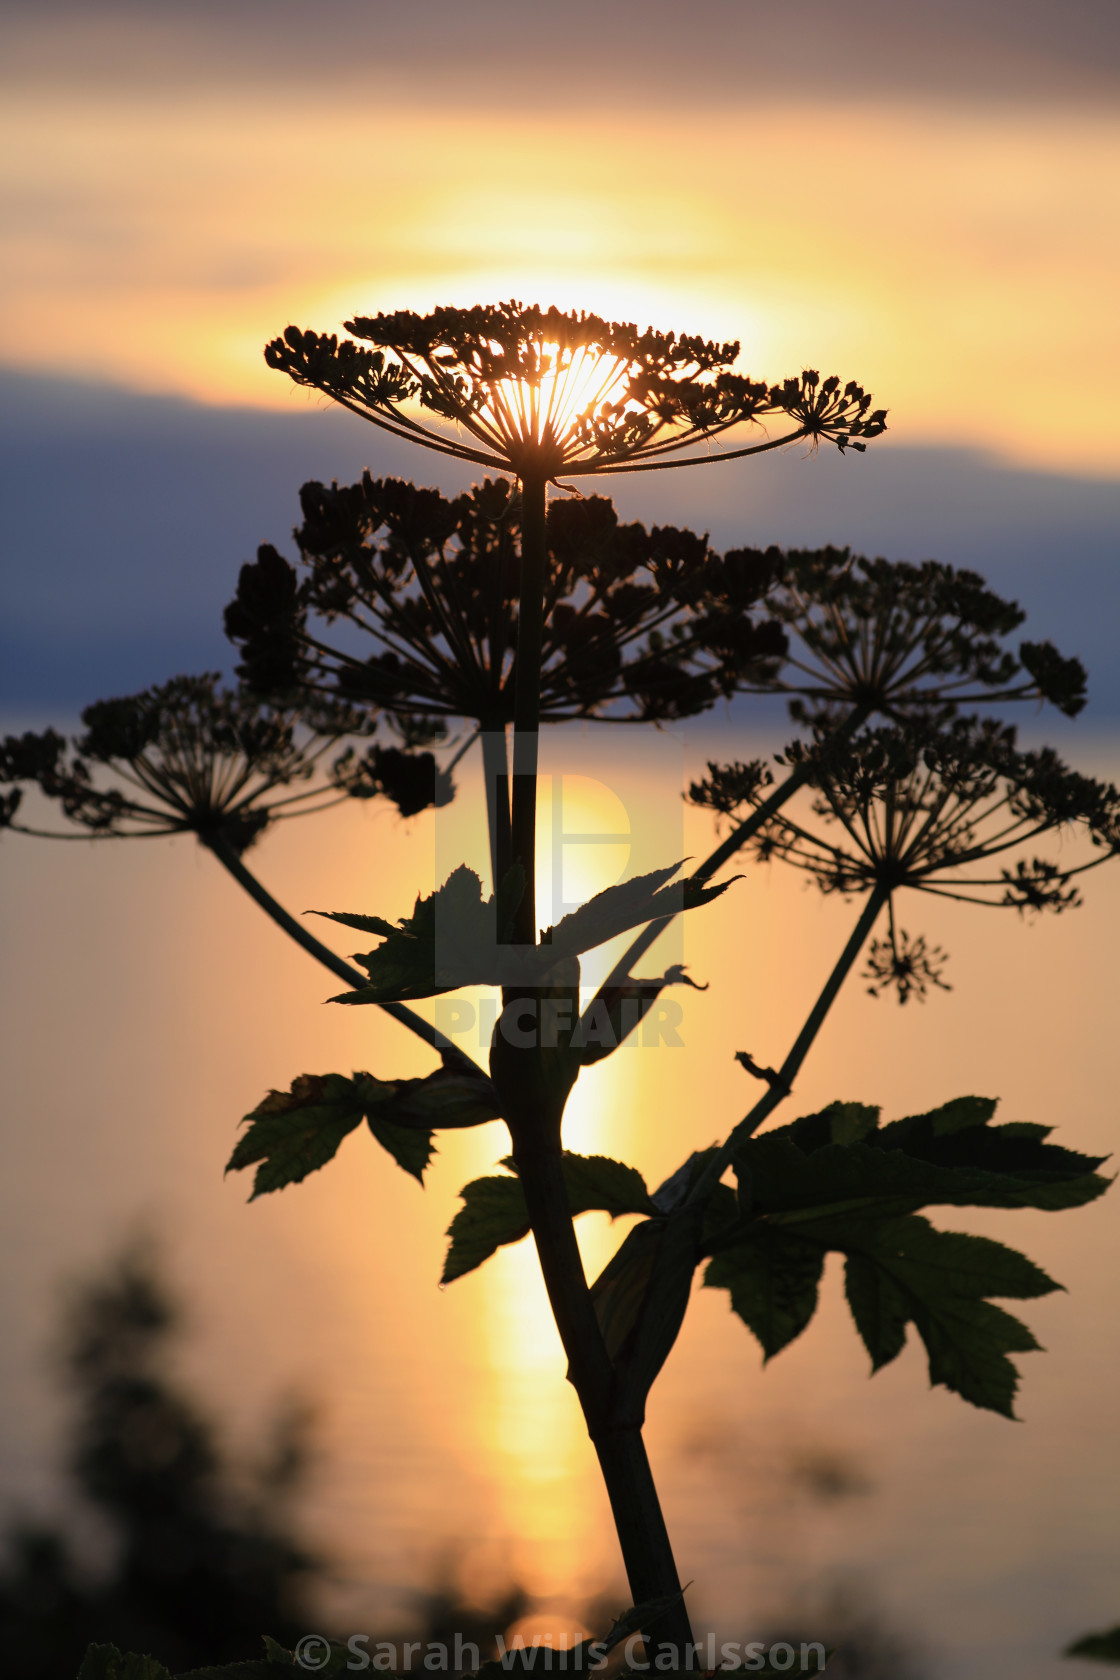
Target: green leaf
(959, 1114)
(493, 1214)
(597, 1182)
(850, 1121)
(798, 1171)
(839, 1180)
(411, 1150)
(292, 1133)
(1101, 1647)
(773, 1279)
(494, 1211)
(453, 938)
(450, 940)
(105, 1662)
(277, 1653)
(904, 1271)
(646, 898)
(445, 1100)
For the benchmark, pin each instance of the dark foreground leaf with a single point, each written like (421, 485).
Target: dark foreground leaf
(494, 1212)
(773, 1281)
(292, 1133)
(904, 1271)
(456, 938)
(839, 1181)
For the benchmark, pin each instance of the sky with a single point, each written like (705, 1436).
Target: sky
(922, 198)
(919, 196)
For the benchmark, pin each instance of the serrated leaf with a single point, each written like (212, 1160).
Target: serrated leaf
(494, 1212)
(645, 898)
(277, 1653)
(960, 1114)
(795, 1173)
(454, 938)
(411, 1150)
(848, 1122)
(904, 1271)
(445, 1100)
(448, 941)
(773, 1280)
(596, 1182)
(292, 1133)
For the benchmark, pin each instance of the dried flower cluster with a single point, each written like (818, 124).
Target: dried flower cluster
(639, 624)
(897, 639)
(185, 757)
(928, 807)
(539, 391)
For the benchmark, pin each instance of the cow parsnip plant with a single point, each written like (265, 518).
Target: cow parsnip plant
(415, 624)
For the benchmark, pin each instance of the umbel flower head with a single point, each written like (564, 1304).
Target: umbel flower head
(638, 624)
(537, 391)
(897, 639)
(933, 810)
(185, 757)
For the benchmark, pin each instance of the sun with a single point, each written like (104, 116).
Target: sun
(570, 384)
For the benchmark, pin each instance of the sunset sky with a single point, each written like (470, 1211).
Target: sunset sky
(921, 195)
(922, 198)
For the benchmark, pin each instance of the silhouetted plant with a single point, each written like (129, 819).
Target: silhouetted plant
(926, 808)
(898, 639)
(496, 609)
(540, 391)
(638, 625)
(189, 757)
(911, 644)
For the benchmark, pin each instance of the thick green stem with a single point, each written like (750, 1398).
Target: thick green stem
(534, 1114)
(643, 1538)
(527, 698)
(781, 1083)
(230, 860)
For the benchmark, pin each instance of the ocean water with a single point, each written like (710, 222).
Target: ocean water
(147, 1005)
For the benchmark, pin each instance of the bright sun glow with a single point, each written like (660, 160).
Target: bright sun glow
(571, 384)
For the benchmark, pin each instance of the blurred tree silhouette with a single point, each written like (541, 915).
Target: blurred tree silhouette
(204, 1559)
